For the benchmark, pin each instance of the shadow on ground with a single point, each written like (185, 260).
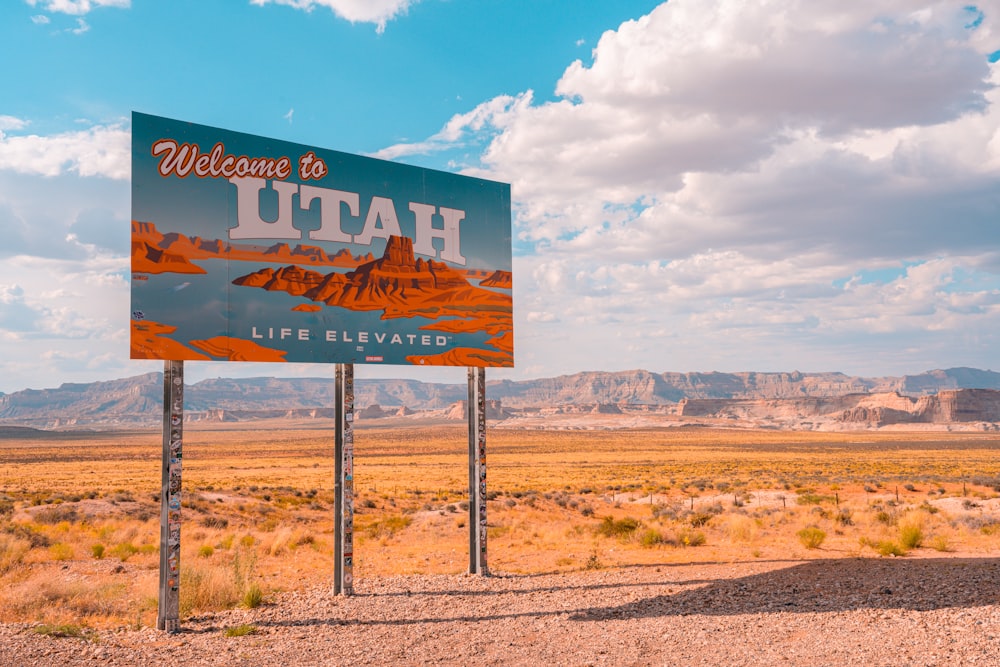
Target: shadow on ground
(832, 585)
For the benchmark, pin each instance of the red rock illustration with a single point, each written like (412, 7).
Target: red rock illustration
(401, 285)
(150, 341)
(238, 349)
(174, 246)
(499, 278)
(150, 258)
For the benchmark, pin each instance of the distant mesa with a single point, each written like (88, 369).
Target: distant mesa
(155, 252)
(291, 279)
(147, 258)
(499, 278)
(956, 399)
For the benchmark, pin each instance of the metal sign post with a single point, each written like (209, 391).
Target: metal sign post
(477, 471)
(168, 614)
(343, 531)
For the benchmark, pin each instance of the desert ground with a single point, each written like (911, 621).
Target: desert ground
(632, 546)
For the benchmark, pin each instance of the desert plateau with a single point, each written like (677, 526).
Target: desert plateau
(680, 544)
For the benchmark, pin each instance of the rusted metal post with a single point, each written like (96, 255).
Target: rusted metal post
(343, 568)
(168, 611)
(477, 471)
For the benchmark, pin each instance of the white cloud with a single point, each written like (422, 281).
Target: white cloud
(40, 19)
(81, 27)
(378, 12)
(723, 165)
(11, 123)
(77, 7)
(487, 118)
(103, 150)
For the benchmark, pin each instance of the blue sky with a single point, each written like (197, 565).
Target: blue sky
(698, 184)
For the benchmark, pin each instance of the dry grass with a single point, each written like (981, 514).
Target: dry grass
(79, 518)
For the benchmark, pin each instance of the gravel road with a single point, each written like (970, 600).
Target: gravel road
(851, 611)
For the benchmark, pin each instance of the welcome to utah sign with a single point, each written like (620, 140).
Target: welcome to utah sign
(251, 249)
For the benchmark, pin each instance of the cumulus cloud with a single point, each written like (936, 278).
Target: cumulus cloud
(77, 7)
(378, 12)
(741, 168)
(61, 312)
(103, 150)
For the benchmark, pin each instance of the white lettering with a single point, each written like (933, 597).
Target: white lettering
(381, 220)
(249, 223)
(423, 243)
(330, 201)
(303, 334)
(381, 210)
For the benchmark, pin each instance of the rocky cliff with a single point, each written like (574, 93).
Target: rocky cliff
(788, 399)
(867, 410)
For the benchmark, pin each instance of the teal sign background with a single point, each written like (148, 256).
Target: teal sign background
(388, 263)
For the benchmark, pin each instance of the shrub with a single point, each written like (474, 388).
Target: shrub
(890, 548)
(206, 550)
(911, 535)
(207, 588)
(611, 527)
(61, 551)
(889, 519)
(57, 514)
(883, 547)
(741, 528)
(12, 551)
(388, 526)
(253, 596)
(690, 538)
(699, 519)
(97, 551)
(124, 551)
(241, 630)
(652, 538)
(811, 537)
(594, 562)
(808, 498)
(940, 543)
(67, 630)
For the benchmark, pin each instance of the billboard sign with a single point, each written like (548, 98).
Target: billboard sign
(252, 249)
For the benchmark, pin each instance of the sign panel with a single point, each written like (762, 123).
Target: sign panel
(252, 249)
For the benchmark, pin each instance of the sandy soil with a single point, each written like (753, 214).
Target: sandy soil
(851, 611)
